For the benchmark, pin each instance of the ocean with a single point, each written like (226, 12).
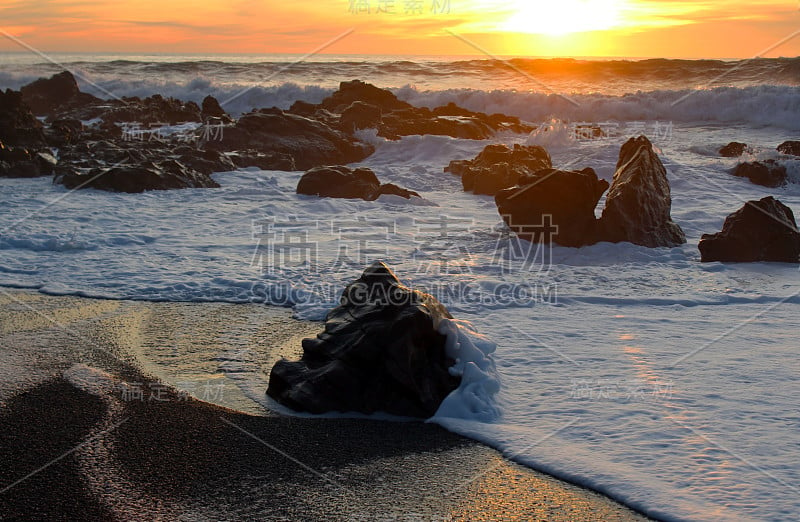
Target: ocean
(667, 384)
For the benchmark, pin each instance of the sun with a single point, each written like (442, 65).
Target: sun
(559, 17)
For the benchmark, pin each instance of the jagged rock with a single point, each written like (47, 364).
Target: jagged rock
(380, 351)
(589, 132)
(309, 142)
(790, 147)
(768, 173)
(763, 230)
(360, 115)
(358, 105)
(733, 149)
(152, 112)
(46, 161)
(210, 108)
(357, 90)
(46, 95)
(19, 162)
(390, 189)
(18, 125)
(343, 182)
(639, 202)
(63, 132)
(497, 121)
(205, 161)
(20, 169)
(553, 206)
(498, 167)
(411, 121)
(168, 174)
(269, 161)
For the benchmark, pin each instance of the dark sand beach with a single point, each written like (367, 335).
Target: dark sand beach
(77, 443)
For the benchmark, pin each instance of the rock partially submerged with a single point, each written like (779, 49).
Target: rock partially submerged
(19, 162)
(310, 143)
(152, 112)
(359, 91)
(360, 105)
(639, 202)
(343, 182)
(554, 206)
(763, 230)
(59, 92)
(791, 147)
(165, 175)
(381, 350)
(637, 207)
(767, 173)
(498, 167)
(23, 147)
(210, 109)
(733, 149)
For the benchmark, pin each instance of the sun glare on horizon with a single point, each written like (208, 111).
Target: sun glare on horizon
(564, 16)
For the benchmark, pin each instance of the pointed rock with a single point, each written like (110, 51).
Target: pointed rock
(763, 230)
(639, 202)
(380, 351)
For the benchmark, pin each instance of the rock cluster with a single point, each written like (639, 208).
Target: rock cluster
(359, 105)
(548, 205)
(122, 147)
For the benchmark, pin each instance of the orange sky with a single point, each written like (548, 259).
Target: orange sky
(629, 28)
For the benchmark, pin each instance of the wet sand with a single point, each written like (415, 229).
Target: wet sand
(76, 443)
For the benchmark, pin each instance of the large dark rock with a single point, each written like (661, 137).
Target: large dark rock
(790, 147)
(360, 115)
(359, 105)
(210, 108)
(407, 122)
(733, 149)
(268, 161)
(768, 173)
(343, 182)
(553, 206)
(204, 161)
(63, 132)
(498, 167)
(46, 95)
(18, 125)
(152, 112)
(19, 162)
(168, 174)
(357, 90)
(309, 142)
(763, 230)
(380, 351)
(639, 202)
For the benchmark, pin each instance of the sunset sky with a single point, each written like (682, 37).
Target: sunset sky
(625, 28)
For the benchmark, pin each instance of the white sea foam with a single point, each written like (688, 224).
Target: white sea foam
(665, 383)
(472, 353)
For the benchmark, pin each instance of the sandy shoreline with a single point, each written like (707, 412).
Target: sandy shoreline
(163, 455)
